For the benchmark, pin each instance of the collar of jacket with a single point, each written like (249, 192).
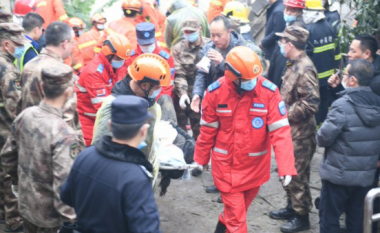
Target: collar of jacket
(355, 89)
(50, 109)
(123, 88)
(290, 62)
(5, 55)
(52, 54)
(112, 150)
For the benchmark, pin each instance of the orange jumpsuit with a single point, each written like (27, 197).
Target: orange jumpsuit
(239, 130)
(87, 43)
(124, 26)
(51, 10)
(75, 59)
(215, 8)
(153, 15)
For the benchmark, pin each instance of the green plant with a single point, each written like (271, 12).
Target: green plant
(83, 8)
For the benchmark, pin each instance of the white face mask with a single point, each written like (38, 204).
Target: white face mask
(100, 27)
(344, 83)
(148, 48)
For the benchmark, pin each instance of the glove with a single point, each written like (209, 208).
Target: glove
(183, 100)
(15, 190)
(286, 180)
(200, 167)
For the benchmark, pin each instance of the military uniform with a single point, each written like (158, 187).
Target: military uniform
(31, 94)
(186, 56)
(5, 17)
(39, 154)
(10, 95)
(300, 91)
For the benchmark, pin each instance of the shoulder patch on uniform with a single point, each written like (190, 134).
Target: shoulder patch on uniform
(164, 54)
(172, 71)
(73, 150)
(133, 53)
(100, 68)
(282, 108)
(213, 86)
(146, 172)
(269, 85)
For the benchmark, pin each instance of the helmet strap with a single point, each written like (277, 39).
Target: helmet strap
(239, 90)
(146, 93)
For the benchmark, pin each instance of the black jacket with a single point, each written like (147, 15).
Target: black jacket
(351, 136)
(110, 188)
(275, 23)
(277, 67)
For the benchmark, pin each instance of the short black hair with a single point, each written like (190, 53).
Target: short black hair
(52, 92)
(125, 132)
(225, 20)
(367, 42)
(57, 32)
(31, 21)
(362, 70)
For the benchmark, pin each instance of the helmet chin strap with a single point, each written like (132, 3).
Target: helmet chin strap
(146, 93)
(239, 90)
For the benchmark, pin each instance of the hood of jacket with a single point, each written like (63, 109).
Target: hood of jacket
(178, 4)
(366, 104)
(122, 88)
(112, 150)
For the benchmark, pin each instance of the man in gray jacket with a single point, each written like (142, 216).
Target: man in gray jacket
(351, 136)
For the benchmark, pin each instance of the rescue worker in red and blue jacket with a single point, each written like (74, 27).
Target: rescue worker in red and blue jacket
(243, 115)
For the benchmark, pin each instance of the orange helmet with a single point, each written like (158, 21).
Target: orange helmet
(242, 62)
(77, 23)
(151, 68)
(98, 18)
(118, 45)
(132, 5)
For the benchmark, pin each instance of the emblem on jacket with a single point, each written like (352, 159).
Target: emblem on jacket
(257, 122)
(73, 150)
(282, 108)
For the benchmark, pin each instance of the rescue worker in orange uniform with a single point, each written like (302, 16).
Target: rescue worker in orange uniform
(75, 60)
(96, 81)
(151, 14)
(147, 44)
(51, 10)
(126, 25)
(216, 8)
(243, 115)
(88, 41)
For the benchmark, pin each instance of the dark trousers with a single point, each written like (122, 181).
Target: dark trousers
(336, 199)
(325, 103)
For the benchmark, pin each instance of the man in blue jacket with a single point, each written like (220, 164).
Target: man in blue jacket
(351, 136)
(110, 183)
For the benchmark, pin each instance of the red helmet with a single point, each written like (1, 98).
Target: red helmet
(295, 3)
(23, 7)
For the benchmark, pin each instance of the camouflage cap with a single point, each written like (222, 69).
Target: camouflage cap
(56, 74)
(191, 24)
(295, 33)
(14, 32)
(5, 17)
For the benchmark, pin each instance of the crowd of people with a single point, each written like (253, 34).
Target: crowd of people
(81, 113)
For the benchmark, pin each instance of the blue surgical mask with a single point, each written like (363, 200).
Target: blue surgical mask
(248, 85)
(142, 145)
(192, 37)
(19, 51)
(155, 93)
(148, 48)
(282, 50)
(289, 18)
(117, 64)
(80, 33)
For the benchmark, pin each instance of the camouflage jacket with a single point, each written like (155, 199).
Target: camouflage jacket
(41, 148)
(300, 91)
(31, 93)
(10, 94)
(186, 56)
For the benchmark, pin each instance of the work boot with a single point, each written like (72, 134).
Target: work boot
(211, 189)
(296, 224)
(283, 214)
(219, 200)
(220, 228)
